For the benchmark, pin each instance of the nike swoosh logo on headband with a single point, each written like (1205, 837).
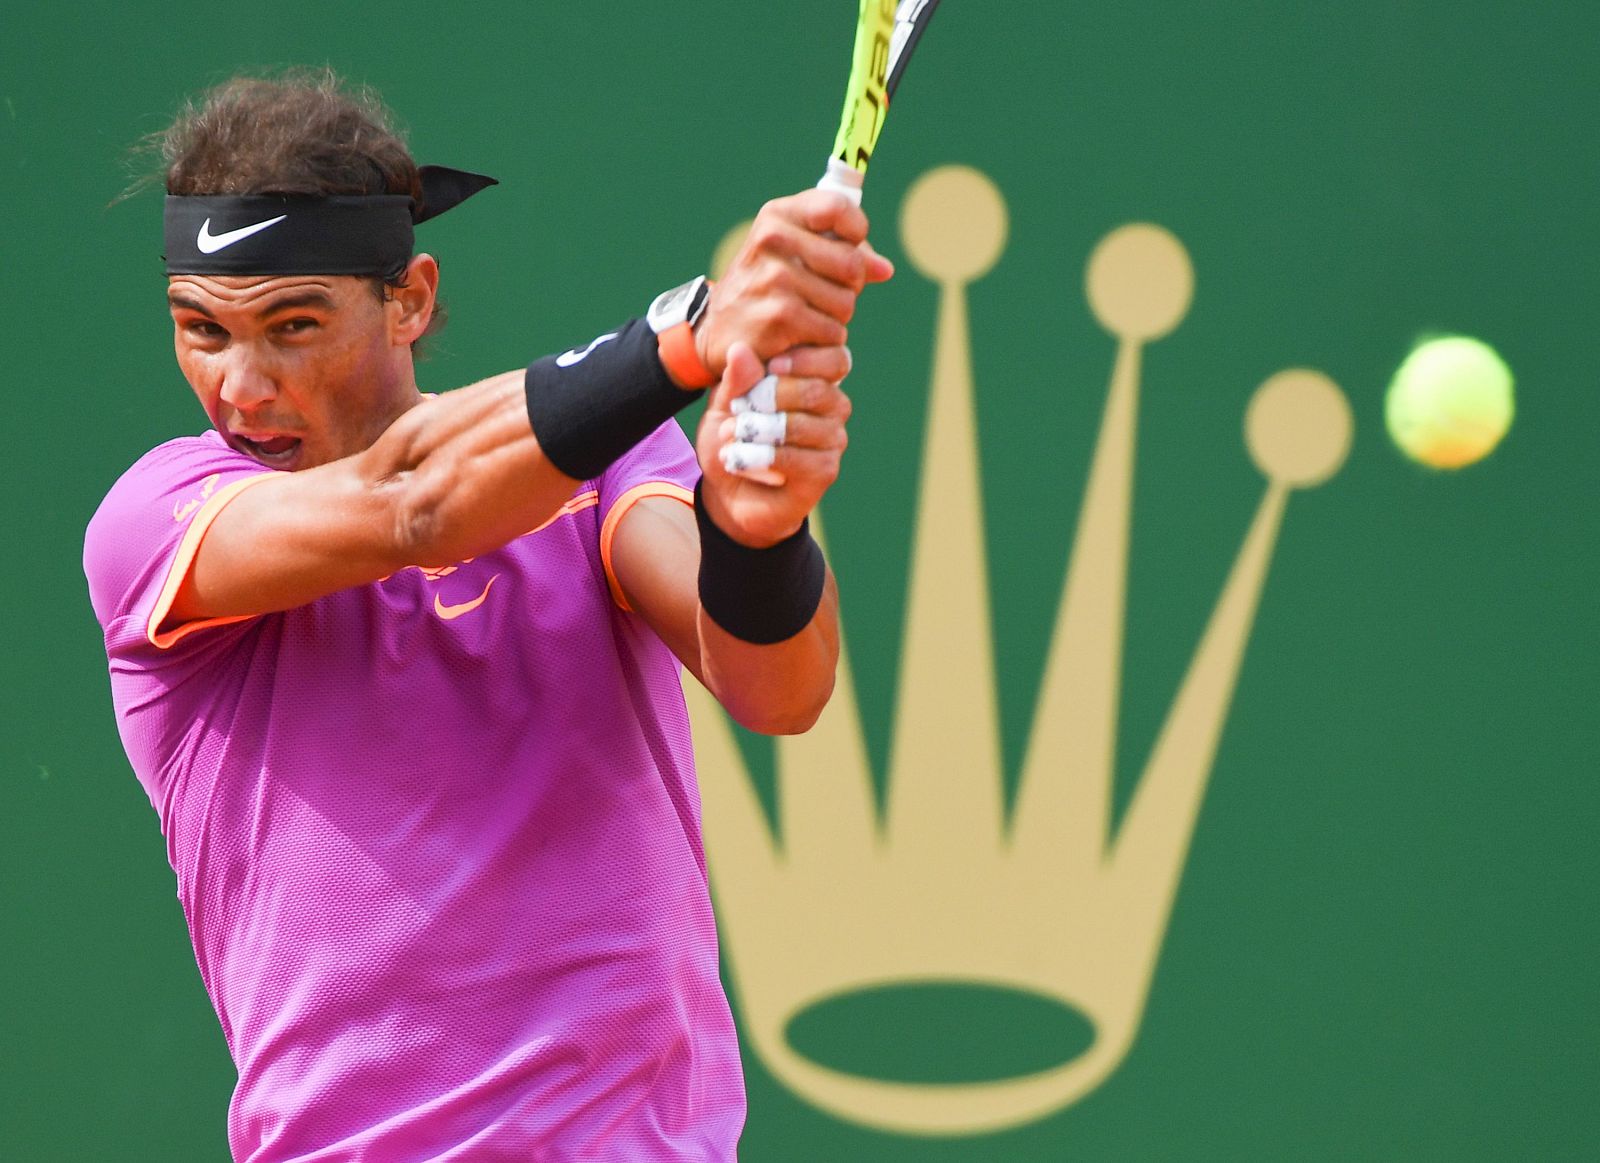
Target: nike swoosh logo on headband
(211, 243)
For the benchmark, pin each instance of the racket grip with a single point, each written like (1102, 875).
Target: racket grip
(843, 178)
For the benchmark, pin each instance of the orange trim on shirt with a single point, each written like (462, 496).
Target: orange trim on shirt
(619, 510)
(577, 504)
(184, 559)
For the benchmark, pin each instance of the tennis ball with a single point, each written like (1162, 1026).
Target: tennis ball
(1450, 402)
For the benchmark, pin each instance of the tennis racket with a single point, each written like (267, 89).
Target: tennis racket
(886, 33)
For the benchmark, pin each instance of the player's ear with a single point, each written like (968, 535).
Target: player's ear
(410, 307)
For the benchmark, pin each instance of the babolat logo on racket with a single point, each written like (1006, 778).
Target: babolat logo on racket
(861, 931)
(868, 91)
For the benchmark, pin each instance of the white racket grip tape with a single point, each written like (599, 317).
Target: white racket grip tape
(761, 398)
(843, 178)
(761, 427)
(748, 458)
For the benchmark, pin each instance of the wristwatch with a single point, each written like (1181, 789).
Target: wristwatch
(672, 317)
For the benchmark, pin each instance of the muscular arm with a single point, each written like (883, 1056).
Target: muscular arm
(778, 689)
(456, 476)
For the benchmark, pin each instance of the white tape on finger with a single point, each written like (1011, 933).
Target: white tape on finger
(743, 458)
(761, 398)
(761, 427)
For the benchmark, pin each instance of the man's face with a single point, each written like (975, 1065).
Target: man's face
(293, 370)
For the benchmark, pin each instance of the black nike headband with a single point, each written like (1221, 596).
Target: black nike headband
(271, 234)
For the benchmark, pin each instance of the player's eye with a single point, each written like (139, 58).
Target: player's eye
(298, 325)
(205, 329)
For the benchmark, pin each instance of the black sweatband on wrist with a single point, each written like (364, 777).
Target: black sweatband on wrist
(591, 404)
(761, 596)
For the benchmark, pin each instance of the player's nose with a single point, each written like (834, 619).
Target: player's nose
(247, 380)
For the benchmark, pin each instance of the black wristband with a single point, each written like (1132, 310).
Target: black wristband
(761, 596)
(590, 405)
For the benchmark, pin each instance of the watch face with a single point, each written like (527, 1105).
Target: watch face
(676, 300)
(672, 307)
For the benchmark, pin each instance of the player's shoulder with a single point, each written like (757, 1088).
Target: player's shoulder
(178, 452)
(176, 464)
(150, 503)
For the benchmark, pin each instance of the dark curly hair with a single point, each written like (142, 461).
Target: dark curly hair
(304, 131)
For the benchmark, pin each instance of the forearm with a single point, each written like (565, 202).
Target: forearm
(776, 689)
(467, 473)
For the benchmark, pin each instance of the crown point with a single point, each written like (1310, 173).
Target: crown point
(1299, 428)
(1140, 282)
(953, 224)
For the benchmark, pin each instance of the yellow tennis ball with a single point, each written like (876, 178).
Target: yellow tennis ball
(1450, 402)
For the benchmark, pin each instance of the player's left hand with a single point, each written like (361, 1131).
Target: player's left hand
(810, 410)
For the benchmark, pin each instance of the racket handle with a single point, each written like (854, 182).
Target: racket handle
(843, 178)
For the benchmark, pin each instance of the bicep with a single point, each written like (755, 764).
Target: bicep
(655, 557)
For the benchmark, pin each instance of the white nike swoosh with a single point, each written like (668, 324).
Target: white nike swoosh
(578, 354)
(211, 243)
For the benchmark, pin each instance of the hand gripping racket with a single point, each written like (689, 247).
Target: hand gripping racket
(886, 33)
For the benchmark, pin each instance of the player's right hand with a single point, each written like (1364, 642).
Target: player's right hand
(762, 509)
(794, 282)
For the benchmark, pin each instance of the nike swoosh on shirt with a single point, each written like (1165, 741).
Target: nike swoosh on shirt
(451, 613)
(211, 243)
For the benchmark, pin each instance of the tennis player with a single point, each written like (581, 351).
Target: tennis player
(400, 673)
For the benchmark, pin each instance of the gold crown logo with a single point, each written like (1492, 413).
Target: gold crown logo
(944, 890)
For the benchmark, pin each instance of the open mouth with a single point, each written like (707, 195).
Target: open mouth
(277, 451)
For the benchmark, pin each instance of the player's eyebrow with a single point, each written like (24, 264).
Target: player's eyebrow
(315, 299)
(176, 301)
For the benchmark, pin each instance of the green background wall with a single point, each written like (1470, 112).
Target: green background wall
(1384, 942)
